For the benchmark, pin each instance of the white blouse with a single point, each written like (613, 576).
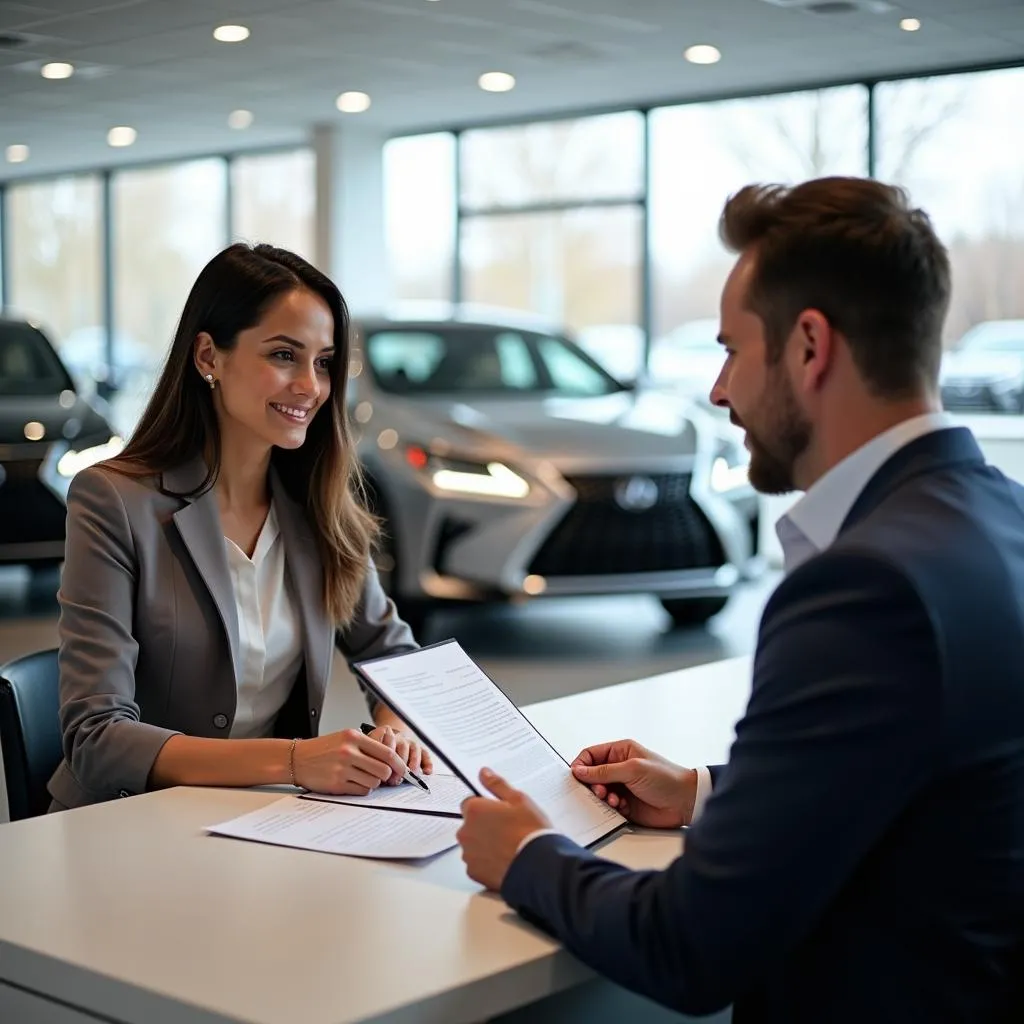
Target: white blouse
(269, 632)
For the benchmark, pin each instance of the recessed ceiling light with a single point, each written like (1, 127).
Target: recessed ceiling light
(910, 24)
(353, 102)
(231, 33)
(121, 136)
(702, 53)
(57, 70)
(16, 154)
(497, 81)
(240, 119)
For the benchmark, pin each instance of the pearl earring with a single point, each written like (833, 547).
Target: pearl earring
(211, 381)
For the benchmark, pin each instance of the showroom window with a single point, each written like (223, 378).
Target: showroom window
(551, 222)
(579, 268)
(54, 248)
(950, 142)
(700, 154)
(168, 222)
(419, 213)
(273, 199)
(583, 160)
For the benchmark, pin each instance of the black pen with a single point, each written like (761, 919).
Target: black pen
(410, 775)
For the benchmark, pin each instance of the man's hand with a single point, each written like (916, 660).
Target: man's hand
(492, 830)
(647, 789)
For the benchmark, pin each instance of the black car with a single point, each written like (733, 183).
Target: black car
(47, 434)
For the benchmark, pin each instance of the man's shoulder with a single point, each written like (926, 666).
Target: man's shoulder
(936, 542)
(851, 566)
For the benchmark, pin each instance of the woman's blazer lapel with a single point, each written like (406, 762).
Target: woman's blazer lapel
(306, 576)
(198, 522)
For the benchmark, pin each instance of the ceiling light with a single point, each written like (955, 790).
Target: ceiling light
(352, 102)
(497, 81)
(231, 33)
(910, 24)
(57, 70)
(240, 119)
(702, 53)
(121, 136)
(16, 154)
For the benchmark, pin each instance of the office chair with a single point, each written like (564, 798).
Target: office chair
(30, 730)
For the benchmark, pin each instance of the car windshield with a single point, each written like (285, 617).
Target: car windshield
(28, 365)
(995, 337)
(488, 360)
(697, 334)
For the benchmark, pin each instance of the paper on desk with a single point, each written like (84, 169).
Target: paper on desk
(448, 699)
(445, 797)
(338, 828)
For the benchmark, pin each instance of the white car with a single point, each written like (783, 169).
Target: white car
(688, 358)
(507, 464)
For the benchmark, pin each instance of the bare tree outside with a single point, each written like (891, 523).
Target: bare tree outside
(952, 142)
(578, 266)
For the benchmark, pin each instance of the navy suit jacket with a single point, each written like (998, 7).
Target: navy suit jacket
(861, 857)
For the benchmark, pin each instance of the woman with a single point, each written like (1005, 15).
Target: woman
(212, 567)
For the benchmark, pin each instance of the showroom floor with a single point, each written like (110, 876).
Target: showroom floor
(536, 652)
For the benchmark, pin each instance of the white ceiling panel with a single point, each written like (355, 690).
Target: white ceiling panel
(154, 64)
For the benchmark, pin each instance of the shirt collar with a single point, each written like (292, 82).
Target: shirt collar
(813, 523)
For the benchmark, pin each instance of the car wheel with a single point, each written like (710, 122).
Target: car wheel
(693, 611)
(414, 613)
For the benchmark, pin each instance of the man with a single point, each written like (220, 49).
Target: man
(861, 856)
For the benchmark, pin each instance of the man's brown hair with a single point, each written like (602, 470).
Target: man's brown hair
(857, 251)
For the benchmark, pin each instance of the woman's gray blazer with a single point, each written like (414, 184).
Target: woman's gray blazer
(149, 632)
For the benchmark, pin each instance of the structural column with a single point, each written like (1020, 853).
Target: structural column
(351, 244)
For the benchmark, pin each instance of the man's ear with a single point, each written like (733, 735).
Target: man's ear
(204, 354)
(814, 341)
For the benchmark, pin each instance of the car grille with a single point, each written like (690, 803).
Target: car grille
(599, 537)
(29, 511)
(966, 396)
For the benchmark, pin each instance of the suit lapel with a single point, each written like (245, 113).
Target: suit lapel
(198, 523)
(929, 453)
(305, 574)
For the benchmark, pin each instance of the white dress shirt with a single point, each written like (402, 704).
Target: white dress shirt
(813, 523)
(269, 634)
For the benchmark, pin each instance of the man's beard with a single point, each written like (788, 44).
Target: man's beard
(785, 436)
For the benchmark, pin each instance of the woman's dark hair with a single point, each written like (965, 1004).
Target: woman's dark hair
(231, 294)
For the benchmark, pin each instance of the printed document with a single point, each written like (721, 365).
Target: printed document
(445, 797)
(337, 828)
(459, 712)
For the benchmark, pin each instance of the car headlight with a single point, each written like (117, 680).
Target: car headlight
(75, 460)
(461, 476)
(729, 470)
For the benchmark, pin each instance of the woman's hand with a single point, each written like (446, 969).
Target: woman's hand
(347, 763)
(408, 748)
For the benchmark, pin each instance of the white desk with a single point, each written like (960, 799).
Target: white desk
(128, 912)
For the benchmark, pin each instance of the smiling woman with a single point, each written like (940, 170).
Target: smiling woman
(211, 565)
